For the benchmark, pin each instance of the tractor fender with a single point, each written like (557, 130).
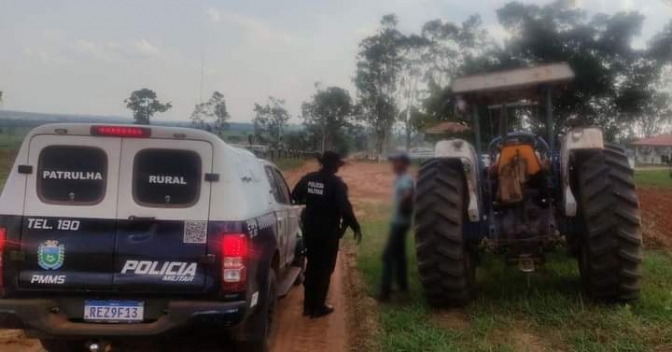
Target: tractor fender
(578, 138)
(464, 152)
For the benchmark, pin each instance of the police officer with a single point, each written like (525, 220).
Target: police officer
(327, 215)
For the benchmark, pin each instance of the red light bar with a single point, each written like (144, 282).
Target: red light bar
(121, 131)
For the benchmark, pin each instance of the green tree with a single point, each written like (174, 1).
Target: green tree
(219, 112)
(652, 104)
(301, 140)
(199, 115)
(450, 50)
(616, 86)
(144, 104)
(212, 114)
(270, 121)
(414, 52)
(327, 114)
(456, 49)
(612, 77)
(378, 65)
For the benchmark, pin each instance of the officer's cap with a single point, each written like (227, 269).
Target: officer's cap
(331, 159)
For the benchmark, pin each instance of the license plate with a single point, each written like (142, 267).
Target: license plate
(114, 311)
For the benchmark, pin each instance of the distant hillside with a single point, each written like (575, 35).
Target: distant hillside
(9, 118)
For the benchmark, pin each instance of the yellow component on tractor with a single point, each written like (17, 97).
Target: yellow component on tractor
(522, 151)
(516, 163)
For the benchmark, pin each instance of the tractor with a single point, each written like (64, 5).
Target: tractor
(530, 198)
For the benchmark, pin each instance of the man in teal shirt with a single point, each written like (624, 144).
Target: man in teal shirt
(394, 257)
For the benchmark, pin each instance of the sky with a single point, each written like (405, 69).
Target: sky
(85, 57)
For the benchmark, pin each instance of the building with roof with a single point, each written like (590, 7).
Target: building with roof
(654, 150)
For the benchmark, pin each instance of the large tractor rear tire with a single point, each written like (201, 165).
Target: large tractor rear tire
(446, 264)
(610, 251)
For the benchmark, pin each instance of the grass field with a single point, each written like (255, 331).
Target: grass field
(11, 137)
(549, 315)
(654, 178)
(6, 160)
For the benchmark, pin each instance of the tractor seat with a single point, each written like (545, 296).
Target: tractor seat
(523, 151)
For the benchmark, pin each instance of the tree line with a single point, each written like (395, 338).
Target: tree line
(405, 77)
(403, 80)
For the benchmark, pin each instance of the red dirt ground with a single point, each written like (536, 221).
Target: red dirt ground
(368, 183)
(656, 207)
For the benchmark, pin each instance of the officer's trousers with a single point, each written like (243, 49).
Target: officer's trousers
(322, 249)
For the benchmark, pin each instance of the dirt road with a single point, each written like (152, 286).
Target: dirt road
(296, 333)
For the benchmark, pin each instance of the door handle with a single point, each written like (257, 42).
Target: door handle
(141, 218)
(139, 237)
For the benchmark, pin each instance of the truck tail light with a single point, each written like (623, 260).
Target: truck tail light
(235, 251)
(3, 243)
(121, 131)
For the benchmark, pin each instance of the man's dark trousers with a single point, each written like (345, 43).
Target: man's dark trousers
(394, 259)
(322, 248)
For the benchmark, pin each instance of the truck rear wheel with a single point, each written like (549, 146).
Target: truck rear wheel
(446, 264)
(266, 315)
(610, 249)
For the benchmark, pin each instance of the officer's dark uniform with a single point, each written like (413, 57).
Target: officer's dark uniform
(327, 214)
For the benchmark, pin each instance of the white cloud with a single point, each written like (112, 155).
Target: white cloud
(95, 50)
(143, 47)
(45, 56)
(114, 51)
(213, 15)
(256, 30)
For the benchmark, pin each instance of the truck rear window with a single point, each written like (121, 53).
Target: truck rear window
(166, 177)
(72, 174)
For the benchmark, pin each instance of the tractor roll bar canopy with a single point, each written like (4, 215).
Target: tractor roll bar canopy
(513, 85)
(519, 79)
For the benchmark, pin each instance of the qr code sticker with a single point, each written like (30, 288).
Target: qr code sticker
(195, 232)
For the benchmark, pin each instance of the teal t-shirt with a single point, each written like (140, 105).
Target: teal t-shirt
(402, 184)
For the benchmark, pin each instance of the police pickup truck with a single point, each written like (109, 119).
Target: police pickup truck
(115, 232)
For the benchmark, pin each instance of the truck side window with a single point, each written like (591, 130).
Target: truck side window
(282, 187)
(169, 178)
(72, 175)
(273, 184)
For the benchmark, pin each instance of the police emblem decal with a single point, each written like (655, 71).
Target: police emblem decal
(50, 255)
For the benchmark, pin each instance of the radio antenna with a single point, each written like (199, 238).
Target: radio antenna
(200, 89)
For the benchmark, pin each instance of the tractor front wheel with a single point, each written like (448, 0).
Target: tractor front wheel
(446, 264)
(610, 248)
